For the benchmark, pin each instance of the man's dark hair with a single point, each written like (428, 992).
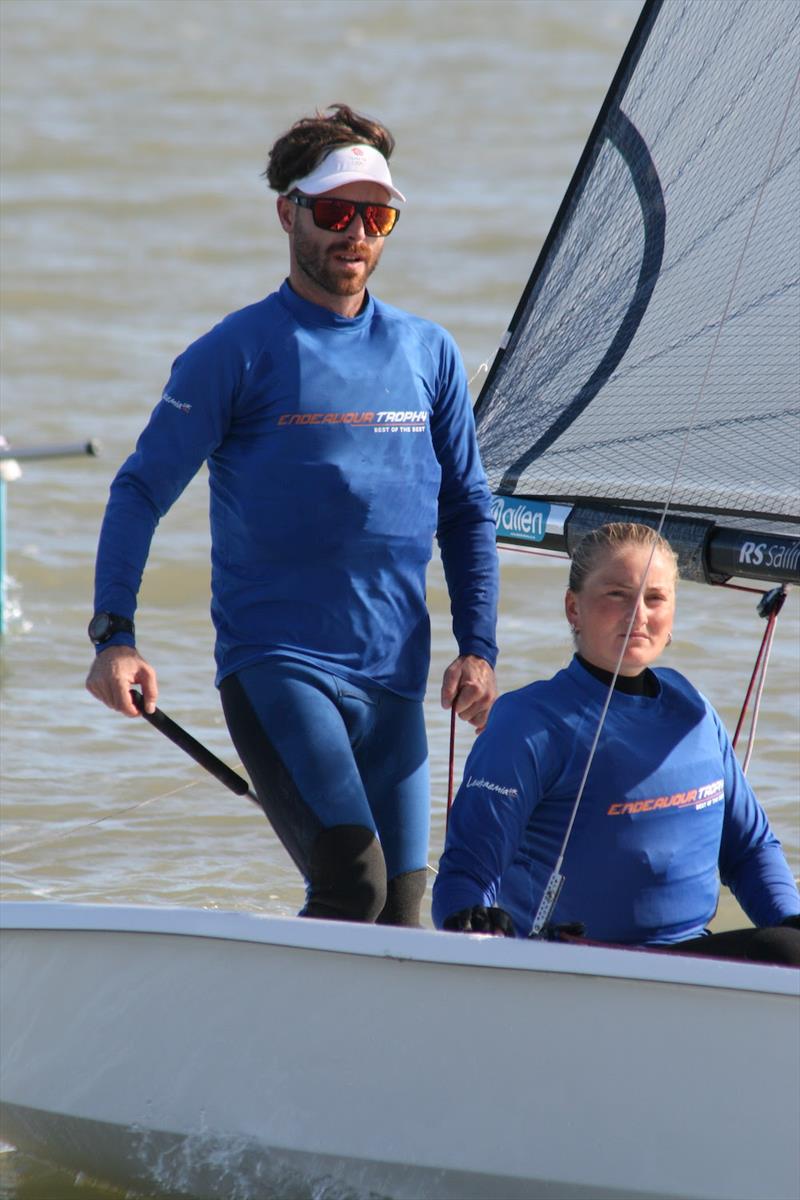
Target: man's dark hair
(298, 151)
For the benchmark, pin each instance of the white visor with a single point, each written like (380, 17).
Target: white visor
(347, 164)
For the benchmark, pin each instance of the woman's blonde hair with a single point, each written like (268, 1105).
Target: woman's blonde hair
(608, 538)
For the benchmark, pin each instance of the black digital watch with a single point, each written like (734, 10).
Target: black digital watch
(104, 625)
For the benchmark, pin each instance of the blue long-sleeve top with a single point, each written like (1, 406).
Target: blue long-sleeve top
(665, 814)
(336, 448)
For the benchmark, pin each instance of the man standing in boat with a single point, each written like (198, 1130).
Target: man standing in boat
(339, 440)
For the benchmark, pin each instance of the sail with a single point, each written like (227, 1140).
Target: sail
(655, 354)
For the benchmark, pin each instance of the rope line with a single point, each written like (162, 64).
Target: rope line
(451, 765)
(119, 812)
(751, 741)
(771, 604)
(738, 587)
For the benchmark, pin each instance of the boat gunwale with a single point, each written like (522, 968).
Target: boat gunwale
(413, 945)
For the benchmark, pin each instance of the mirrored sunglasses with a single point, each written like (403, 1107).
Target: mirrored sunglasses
(336, 215)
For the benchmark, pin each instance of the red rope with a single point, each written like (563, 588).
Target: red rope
(757, 708)
(738, 587)
(751, 684)
(451, 768)
(777, 597)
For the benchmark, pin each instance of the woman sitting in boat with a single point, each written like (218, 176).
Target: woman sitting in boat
(666, 810)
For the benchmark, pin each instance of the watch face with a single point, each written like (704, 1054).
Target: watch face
(100, 627)
(104, 625)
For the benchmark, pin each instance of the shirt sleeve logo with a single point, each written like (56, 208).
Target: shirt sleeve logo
(180, 405)
(488, 786)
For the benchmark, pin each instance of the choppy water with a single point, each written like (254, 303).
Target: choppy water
(133, 135)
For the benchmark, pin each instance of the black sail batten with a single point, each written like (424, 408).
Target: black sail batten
(581, 174)
(624, 136)
(653, 361)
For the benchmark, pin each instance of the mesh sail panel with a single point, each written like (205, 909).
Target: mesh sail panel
(672, 273)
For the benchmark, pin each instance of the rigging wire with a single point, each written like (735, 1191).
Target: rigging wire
(118, 812)
(556, 881)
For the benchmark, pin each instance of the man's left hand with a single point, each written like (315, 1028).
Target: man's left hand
(469, 682)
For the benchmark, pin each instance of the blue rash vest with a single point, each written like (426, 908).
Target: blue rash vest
(666, 812)
(336, 448)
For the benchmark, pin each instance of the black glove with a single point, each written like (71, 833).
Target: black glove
(481, 920)
(792, 922)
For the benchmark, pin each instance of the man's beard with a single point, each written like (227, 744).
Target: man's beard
(315, 262)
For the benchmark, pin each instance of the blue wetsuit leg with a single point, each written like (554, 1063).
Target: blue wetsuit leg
(323, 755)
(392, 760)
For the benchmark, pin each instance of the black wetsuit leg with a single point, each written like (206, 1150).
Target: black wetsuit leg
(404, 896)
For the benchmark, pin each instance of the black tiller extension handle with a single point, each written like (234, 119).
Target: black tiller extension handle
(184, 741)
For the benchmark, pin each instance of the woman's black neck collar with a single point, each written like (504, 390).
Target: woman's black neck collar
(643, 684)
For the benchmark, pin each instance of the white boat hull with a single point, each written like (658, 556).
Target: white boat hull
(224, 1054)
